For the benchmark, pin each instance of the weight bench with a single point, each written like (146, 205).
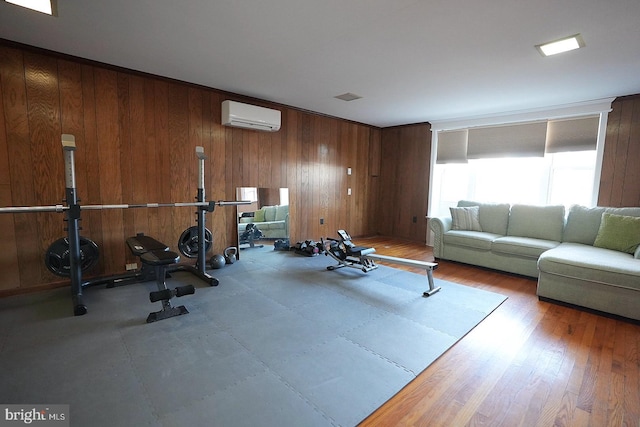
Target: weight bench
(349, 255)
(138, 245)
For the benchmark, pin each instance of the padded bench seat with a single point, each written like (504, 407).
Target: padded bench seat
(158, 258)
(140, 244)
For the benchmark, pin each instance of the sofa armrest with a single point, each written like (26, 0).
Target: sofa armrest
(439, 226)
(637, 254)
(286, 225)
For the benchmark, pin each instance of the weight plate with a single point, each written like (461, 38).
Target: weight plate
(58, 260)
(188, 242)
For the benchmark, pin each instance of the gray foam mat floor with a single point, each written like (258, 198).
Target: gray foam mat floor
(281, 341)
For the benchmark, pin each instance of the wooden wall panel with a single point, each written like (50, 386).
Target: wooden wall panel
(87, 157)
(20, 161)
(404, 181)
(44, 127)
(146, 155)
(389, 152)
(8, 244)
(110, 171)
(124, 122)
(162, 171)
(139, 161)
(620, 179)
(222, 221)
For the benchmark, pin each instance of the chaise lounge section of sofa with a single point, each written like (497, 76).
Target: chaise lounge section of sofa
(590, 259)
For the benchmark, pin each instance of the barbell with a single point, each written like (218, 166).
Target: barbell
(62, 208)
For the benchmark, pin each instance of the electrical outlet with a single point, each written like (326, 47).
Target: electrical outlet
(132, 266)
(348, 191)
(415, 219)
(321, 221)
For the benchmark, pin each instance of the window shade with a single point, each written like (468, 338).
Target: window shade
(517, 140)
(452, 146)
(577, 134)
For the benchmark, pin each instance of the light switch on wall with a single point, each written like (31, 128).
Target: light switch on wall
(348, 171)
(349, 191)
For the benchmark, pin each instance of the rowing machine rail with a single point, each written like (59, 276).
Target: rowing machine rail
(349, 255)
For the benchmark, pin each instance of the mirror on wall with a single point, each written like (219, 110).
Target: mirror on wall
(266, 219)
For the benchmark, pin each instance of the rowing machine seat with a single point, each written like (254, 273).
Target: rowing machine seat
(353, 250)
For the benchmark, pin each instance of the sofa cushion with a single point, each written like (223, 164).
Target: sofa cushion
(493, 217)
(539, 222)
(522, 246)
(582, 224)
(269, 213)
(281, 212)
(465, 218)
(270, 225)
(471, 239)
(619, 233)
(592, 264)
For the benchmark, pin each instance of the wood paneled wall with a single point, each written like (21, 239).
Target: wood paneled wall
(620, 179)
(404, 172)
(136, 137)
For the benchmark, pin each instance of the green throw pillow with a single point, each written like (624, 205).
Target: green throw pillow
(466, 218)
(259, 215)
(618, 232)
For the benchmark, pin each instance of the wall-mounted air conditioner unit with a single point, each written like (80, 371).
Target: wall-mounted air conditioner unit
(250, 116)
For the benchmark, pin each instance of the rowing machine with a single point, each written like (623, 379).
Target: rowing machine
(347, 254)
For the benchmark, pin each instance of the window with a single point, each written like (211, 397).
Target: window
(563, 178)
(537, 157)
(249, 193)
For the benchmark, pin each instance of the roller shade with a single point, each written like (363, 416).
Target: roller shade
(517, 140)
(577, 134)
(452, 146)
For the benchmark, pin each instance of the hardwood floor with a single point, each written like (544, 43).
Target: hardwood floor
(529, 363)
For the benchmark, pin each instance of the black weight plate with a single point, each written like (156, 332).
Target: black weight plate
(188, 242)
(57, 258)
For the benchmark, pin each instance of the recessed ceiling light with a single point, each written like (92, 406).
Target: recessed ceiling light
(348, 96)
(563, 45)
(44, 6)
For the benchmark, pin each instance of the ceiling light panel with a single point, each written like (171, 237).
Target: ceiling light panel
(559, 46)
(44, 6)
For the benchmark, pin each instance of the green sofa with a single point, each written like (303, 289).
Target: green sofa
(273, 221)
(578, 258)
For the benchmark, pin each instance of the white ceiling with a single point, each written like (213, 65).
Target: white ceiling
(410, 60)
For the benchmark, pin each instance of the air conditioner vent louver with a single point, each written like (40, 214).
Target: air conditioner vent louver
(248, 116)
